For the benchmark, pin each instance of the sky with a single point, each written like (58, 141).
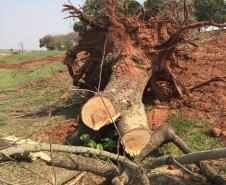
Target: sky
(30, 20)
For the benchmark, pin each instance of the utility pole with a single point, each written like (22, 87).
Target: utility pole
(21, 44)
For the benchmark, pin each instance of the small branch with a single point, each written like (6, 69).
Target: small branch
(187, 158)
(66, 149)
(102, 62)
(3, 115)
(185, 11)
(212, 176)
(80, 163)
(186, 170)
(159, 136)
(27, 169)
(214, 79)
(76, 176)
(50, 148)
(120, 180)
(79, 177)
(75, 12)
(202, 24)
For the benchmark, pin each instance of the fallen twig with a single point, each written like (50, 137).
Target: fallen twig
(7, 182)
(214, 79)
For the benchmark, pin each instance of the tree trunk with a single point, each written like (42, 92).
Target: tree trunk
(122, 97)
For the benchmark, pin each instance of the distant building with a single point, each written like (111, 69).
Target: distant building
(211, 28)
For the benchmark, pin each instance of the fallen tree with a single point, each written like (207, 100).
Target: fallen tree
(124, 57)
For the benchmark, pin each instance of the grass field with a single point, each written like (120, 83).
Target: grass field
(13, 78)
(29, 89)
(26, 56)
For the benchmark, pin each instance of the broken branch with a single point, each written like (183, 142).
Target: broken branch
(187, 158)
(214, 79)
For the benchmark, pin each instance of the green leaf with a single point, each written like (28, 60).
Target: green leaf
(92, 144)
(85, 137)
(106, 139)
(99, 146)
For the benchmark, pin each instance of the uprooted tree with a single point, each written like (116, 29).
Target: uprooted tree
(120, 58)
(125, 56)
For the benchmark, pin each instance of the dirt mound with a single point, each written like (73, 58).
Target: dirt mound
(42, 61)
(208, 61)
(59, 133)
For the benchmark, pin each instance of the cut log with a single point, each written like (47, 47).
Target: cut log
(98, 112)
(122, 96)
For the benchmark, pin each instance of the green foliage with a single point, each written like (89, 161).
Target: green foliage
(108, 143)
(151, 7)
(180, 123)
(161, 7)
(133, 7)
(168, 7)
(78, 26)
(210, 10)
(96, 8)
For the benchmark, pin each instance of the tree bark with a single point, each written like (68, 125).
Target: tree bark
(158, 137)
(80, 163)
(187, 158)
(122, 97)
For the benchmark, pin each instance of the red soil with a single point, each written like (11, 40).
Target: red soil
(208, 61)
(42, 61)
(157, 116)
(59, 133)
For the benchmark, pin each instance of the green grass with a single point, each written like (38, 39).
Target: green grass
(192, 131)
(22, 57)
(17, 77)
(25, 89)
(32, 99)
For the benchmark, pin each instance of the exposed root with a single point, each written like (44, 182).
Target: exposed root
(202, 84)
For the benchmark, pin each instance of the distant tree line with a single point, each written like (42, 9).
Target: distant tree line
(210, 10)
(59, 42)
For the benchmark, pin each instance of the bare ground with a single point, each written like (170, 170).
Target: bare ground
(42, 61)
